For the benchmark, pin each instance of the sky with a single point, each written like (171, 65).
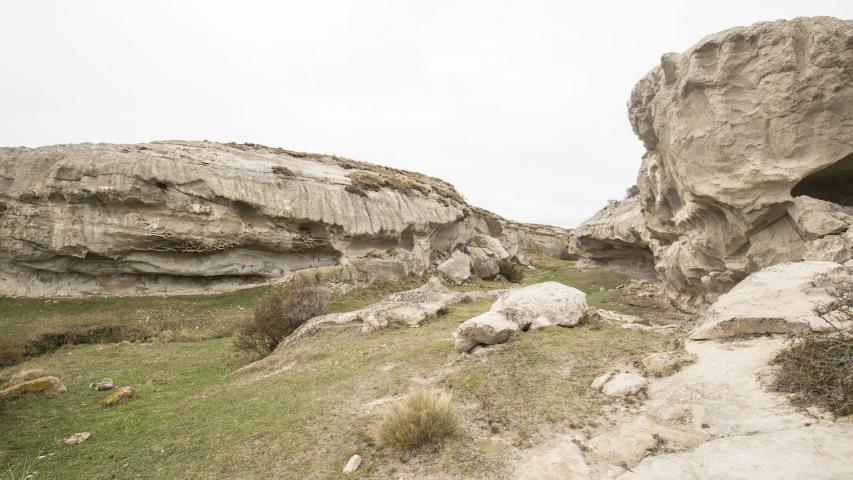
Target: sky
(521, 105)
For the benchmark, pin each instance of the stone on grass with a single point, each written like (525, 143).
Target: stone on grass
(553, 302)
(120, 395)
(489, 328)
(352, 465)
(49, 384)
(77, 438)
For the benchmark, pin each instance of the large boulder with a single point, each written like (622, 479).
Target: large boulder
(778, 299)
(180, 217)
(456, 269)
(486, 253)
(535, 306)
(554, 302)
(737, 130)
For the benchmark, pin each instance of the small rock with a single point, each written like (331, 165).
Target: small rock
(119, 396)
(77, 438)
(352, 465)
(105, 384)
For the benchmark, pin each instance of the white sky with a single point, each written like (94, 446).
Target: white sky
(521, 105)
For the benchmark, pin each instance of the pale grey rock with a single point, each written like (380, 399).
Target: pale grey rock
(623, 384)
(633, 439)
(778, 299)
(822, 452)
(615, 235)
(352, 465)
(408, 308)
(489, 328)
(560, 459)
(550, 302)
(535, 306)
(178, 217)
(456, 269)
(737, 129)
(486, 253)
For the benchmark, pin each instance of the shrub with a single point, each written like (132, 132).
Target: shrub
(10, 354)
(279, 313)
(425, 417)
(817, 368)
(511, 270)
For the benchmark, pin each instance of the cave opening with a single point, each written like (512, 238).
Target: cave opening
(833, 183)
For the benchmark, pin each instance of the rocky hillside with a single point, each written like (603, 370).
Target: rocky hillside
(177, 217)
(749, 159)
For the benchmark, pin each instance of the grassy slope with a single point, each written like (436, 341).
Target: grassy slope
(193, 418)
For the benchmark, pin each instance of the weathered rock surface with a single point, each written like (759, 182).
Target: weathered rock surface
(486, 253)
(615, 235)
(408, 308)
(177, 217)
(534, 306)
(738, 130)
(620, 384)
(777, 299)
(490, 328)
(121, 395)
(456, 269)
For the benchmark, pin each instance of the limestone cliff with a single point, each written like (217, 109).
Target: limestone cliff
(178, 217)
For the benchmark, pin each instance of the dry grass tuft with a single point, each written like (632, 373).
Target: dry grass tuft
(817, 368)
(424, 418)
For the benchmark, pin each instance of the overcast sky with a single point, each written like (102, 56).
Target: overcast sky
(521, 105)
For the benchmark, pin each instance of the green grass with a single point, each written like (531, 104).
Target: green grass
(302, 412)
(191, 317)
(192, 418)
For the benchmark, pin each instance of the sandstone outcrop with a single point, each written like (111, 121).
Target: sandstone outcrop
(179, 217)
(749, 153)
(616, 236)
(777, 299)
(456, 269)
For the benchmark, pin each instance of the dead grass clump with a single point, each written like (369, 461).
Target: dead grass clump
(424, 418)
(282, 170)
(511, 270)
(364, 181)
(817, 368)
(278, 313)
(10, 354)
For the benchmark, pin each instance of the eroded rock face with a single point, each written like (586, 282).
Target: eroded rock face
(616, 235)
(179, 217)
(738, 131)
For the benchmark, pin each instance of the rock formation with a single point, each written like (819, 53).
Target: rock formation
(777, 299)
(179, 217)
(749, 153)
(616, 236)
(535, 306)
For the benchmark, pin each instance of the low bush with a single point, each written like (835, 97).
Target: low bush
(425, 417)
(817, 368)
(278, 313)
